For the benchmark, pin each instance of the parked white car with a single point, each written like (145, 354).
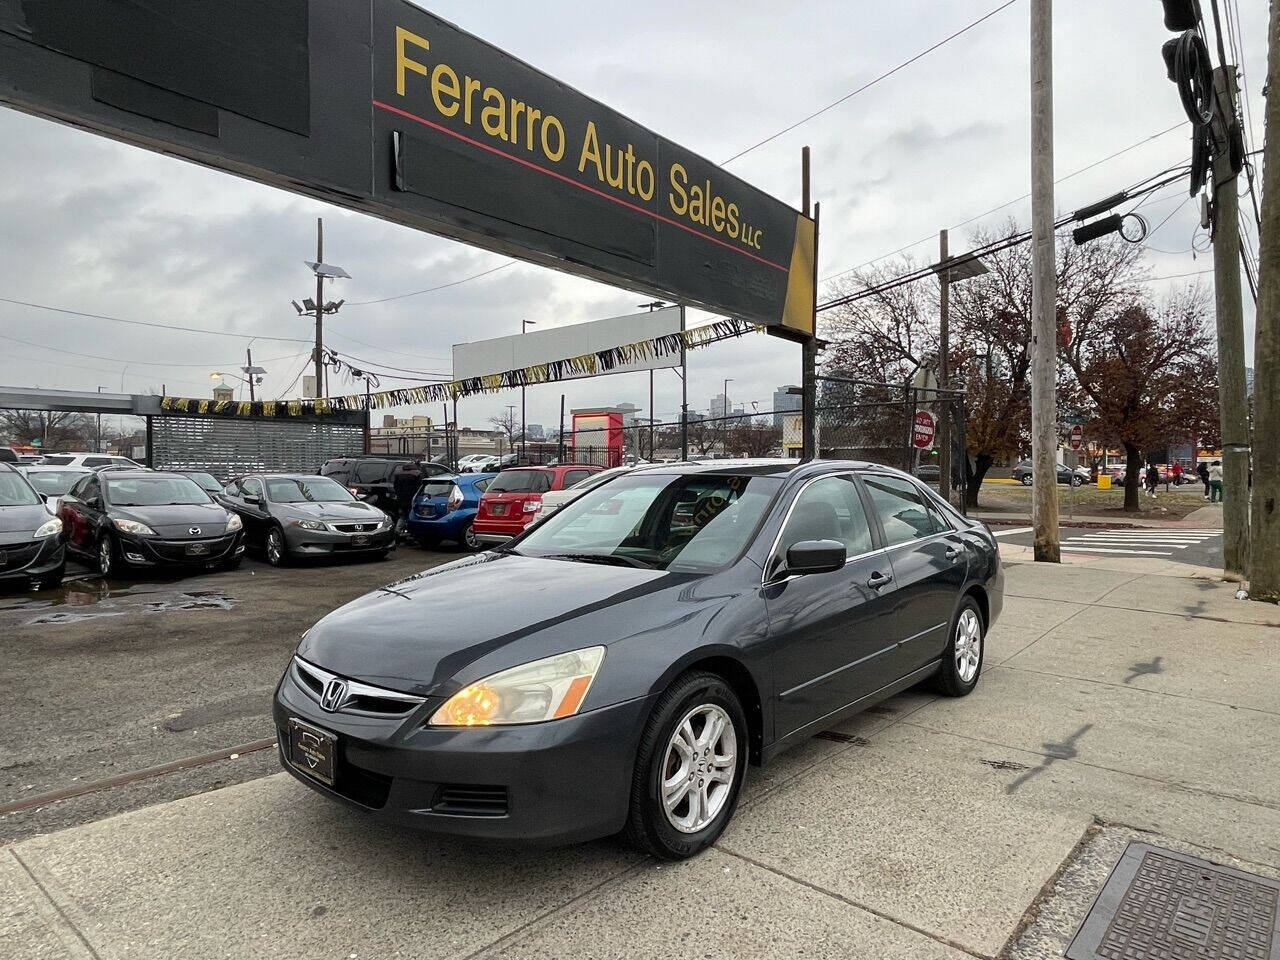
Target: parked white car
(91, 461)
(52, 482)
(477, 463)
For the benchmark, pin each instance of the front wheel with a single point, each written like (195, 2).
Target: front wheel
(1026, 479)
(107, 555)
(962, 662)
(1077, 481)
(689, 768)
(277, 551)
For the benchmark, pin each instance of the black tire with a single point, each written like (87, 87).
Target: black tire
(1077, 481)
(278, 551)
(648, 826)
(110, 561)
(1026, 480)
(467, 542)
(950, 680)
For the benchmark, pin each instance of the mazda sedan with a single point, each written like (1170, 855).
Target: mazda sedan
(619, 666)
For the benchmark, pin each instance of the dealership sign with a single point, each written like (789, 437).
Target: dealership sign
(383, 107)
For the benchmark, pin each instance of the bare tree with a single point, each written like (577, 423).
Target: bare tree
(54, 430)
(754, 438)
(508, 423)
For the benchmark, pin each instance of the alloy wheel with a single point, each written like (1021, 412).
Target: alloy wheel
(968, 648)
(104, 556)
(275, 548)
(699, 768)
(469, 538)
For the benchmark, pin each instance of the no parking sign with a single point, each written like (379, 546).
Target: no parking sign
(923, 431)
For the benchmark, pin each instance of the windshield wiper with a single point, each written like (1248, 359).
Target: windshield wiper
(611, 559)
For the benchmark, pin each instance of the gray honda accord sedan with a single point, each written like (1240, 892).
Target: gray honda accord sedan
(302, 515)
(619, 666)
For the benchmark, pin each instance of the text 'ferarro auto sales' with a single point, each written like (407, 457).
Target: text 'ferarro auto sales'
(504, 117)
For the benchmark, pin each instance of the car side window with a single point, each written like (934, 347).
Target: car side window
(573, 476)
(96, 461)
(252, 487)
(77, 488)
(829, 509)
(91, 489)
(900, 507)
(482, 485)
(232, 489)
(372, 472)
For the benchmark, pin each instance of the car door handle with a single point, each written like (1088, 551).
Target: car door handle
(952, 552)
(878, 580)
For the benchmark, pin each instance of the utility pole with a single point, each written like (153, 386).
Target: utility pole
(809, 349)
(1044, 292)
(524, 325)
(1230, 319)
(1264, 564)
(322, 388)
(944, 370)
(248, 361)
(684, 395)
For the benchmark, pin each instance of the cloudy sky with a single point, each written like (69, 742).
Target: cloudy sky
(95, 226)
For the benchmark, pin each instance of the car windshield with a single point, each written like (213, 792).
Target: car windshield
(694, 523)
(207, 481)
(151, 491)
(54, 483)
(307, 490)
(521, 481)
(14, 491)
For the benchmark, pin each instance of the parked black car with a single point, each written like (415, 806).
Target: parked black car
(617, 666)
(141, 518)
(1074, 478)
(205, 480)
(387, 483)
(31, 550)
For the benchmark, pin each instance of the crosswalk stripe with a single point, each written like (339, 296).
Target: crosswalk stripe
(1144, 553)
(1015, 530)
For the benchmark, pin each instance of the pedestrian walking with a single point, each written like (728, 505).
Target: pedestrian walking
(1215, 482)
(1176, 472)
(1153, 479)
(1202, 471)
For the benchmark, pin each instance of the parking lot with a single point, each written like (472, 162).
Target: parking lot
(926, 827)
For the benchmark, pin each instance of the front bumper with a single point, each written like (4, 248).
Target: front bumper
(323, 543)
(562, 781)
(157, 551)
(22, 562)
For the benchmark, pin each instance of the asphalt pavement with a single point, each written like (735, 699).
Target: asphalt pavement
(1200, 546)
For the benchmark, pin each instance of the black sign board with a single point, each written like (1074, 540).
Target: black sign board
(383, 107)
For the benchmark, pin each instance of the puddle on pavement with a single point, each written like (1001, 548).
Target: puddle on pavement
(101, 598)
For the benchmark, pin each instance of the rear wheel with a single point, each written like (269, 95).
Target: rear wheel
(467, 539)
(1026, 479)
(962, 662)
(689, 768)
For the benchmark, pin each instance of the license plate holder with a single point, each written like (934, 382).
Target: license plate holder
(197, 549)
(360, 540)
(498, 509)
(313, 751)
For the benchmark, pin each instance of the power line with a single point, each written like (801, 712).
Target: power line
(128, 362)
(869, 84)
(62, 364)
(146, 323)
(962, 223)
(452, 283)
(374, 346)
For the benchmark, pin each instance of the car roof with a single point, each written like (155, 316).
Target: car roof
(59, 467)
(142, 472)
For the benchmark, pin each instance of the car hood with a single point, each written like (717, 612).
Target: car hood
(415, 635)
(336, 512)
(22, 520)
(176, 521)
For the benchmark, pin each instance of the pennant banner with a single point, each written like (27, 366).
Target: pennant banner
(602, 361)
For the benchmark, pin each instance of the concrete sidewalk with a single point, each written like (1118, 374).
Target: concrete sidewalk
(1116, 702)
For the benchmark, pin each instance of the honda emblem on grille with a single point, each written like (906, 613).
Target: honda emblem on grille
(194, 531)
(357, 527)
(335, 691)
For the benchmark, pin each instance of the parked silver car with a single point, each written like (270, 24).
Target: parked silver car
(301, 515)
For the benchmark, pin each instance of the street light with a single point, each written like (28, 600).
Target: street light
(318, 307)
(524, 325)
(727, 411)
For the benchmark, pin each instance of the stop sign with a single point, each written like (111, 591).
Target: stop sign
(1077, 437)
(922, 432)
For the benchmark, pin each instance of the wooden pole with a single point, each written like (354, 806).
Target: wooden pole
(1044, 295)
(809, 348)
(1264, 564)
(1230, 320)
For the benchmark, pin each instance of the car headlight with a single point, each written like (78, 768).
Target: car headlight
(530, 693)
(308, 524)
(134, 527)
(50, 528)
(234, 522)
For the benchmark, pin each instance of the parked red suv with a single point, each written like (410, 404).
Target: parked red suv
(511, 501)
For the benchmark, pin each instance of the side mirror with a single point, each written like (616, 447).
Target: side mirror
(252, 500)
(815, 556)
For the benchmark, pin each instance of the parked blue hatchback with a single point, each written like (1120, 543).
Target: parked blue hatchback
(444, 507)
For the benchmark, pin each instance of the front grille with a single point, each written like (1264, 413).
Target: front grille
(359, 697)
(17, 555)
(470, 800)
(367, 527)
(177, 549)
